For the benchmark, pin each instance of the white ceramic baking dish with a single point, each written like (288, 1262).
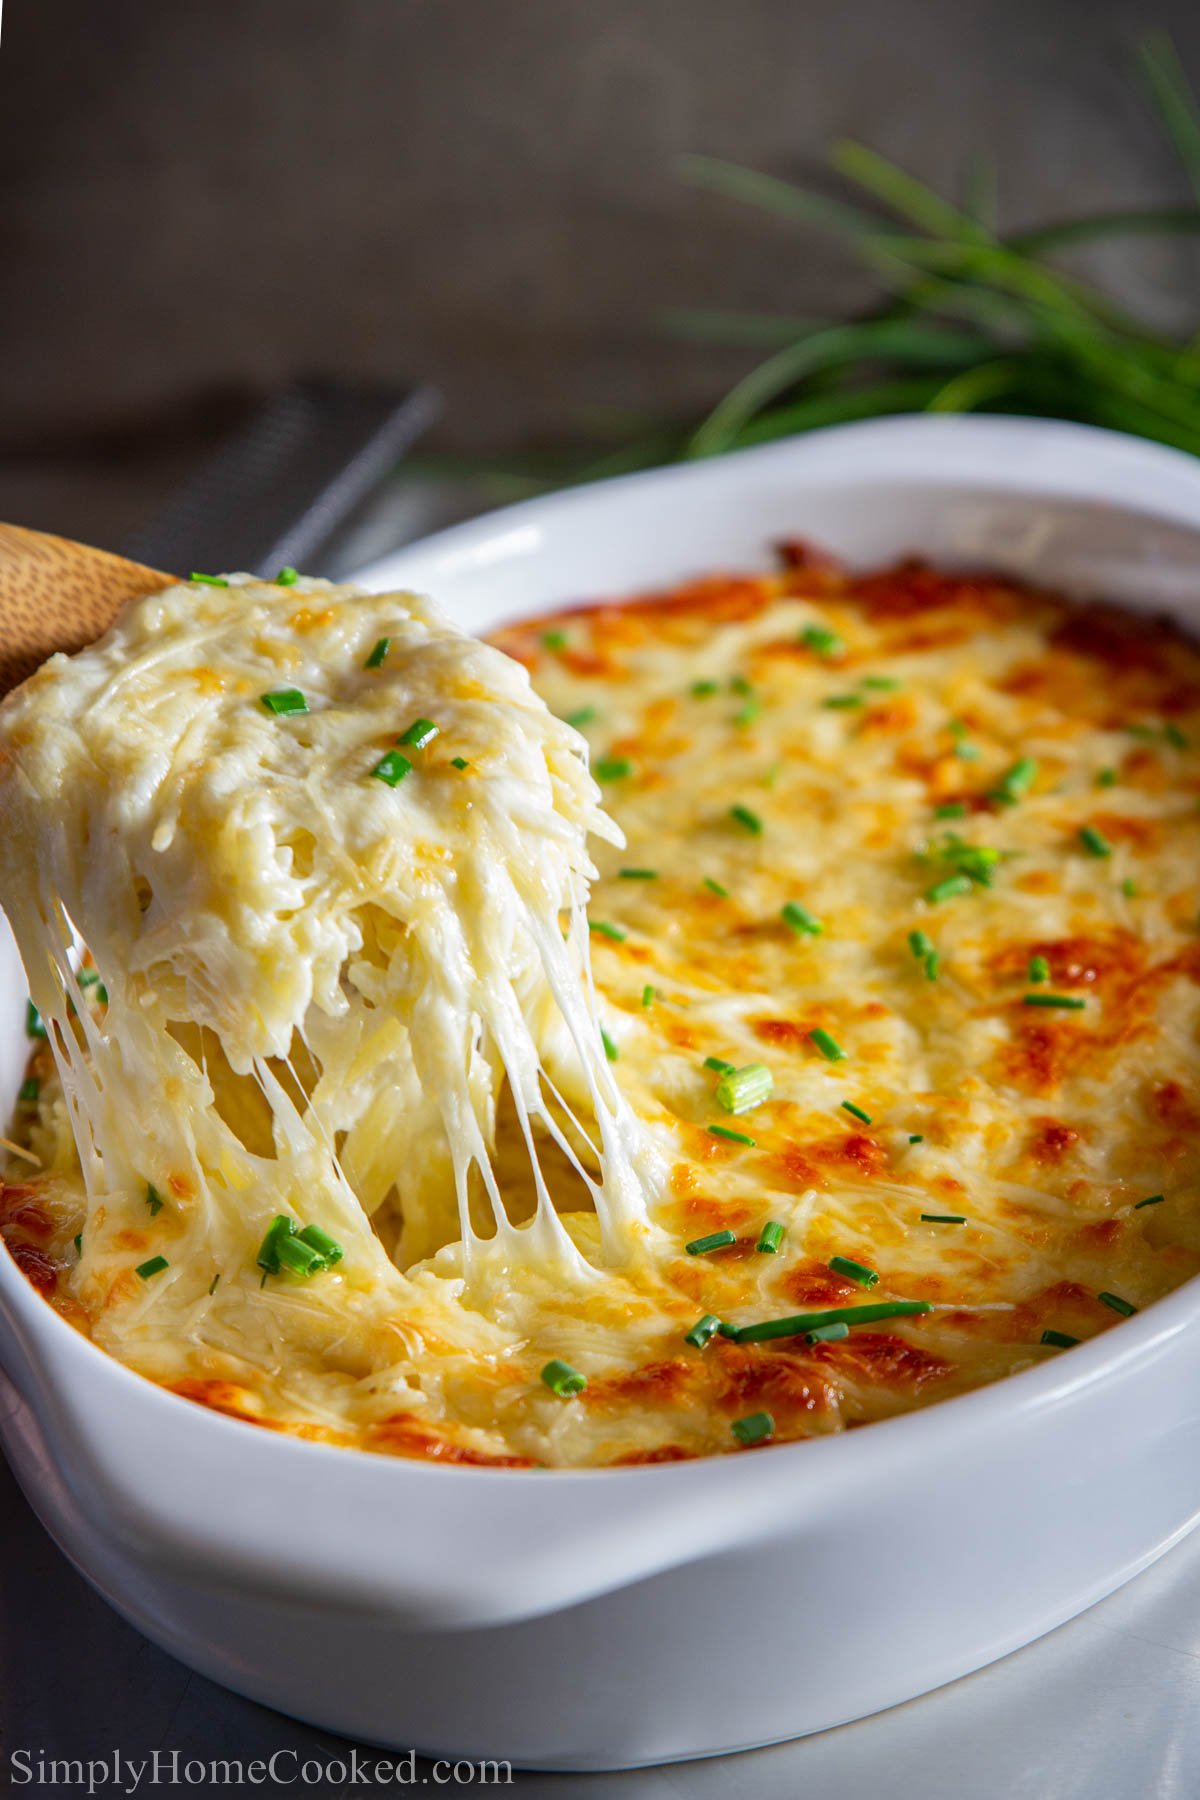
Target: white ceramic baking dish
(609, 1618)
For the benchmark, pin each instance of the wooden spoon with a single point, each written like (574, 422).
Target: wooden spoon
(56, 595)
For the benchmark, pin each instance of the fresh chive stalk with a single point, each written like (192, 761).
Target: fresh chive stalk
(755, 1428)
(731, 1137)
(797, 1324)
(829, 1047)
(801, 921)
(705, 1328)
(716, 1240)
(562, 1379)
(392, 768)
(283, 701)
(741, 1090)
(770, 1238)
(854, 1271)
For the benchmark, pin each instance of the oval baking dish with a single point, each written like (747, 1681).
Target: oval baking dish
(603, 1619)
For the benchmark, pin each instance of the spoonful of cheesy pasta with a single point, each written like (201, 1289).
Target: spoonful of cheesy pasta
(328, 857)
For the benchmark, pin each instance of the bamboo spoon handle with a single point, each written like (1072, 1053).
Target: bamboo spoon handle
(56, 595)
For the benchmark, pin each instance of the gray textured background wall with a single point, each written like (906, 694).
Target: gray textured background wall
(201, 197)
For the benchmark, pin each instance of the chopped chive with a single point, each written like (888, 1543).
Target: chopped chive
(268, 1251)
(1016, 782)
(1039, 969)
(287, 576)
(1126, 1308)
(740, 684)
(298, 1257)
(322, 1243)
(613, 768)
(882, 684)
(1150, 1200)
(755, 1428)
(933, 963)
(212, 1286)
(208, 580)
(704, 690)
(1129, 888)
(1061, 1340)
(554, 640)
(856, 1112)
(943, 1218)
(854, 1271)
(102, 994)
(582, 716)
(1145, 732)
(639, 874)
(459, 762)
(88, 977)
(1094, 842)
(34, 1024)
(154, 1200)
(746, 717)
(721, 1068)
(392, 768)
(967, 752)
(1179, 739)
(157, 1264)
(741, 1090)
(610, 1049)
(822, 640)
(706, 1327)
(78, 1241)
(648, 995)
(716, 1240)
(841, 702)
(916, 1137)
(948, 889)
(828, 1334)
(796, 1324)
(283, 701)
(29, 1090)
(727, 1330)
(1064, 1002)
(770, 1238)
(802, 922)
(562, 1379)
(420, 733)
(750, 820)
(375, 660)
(950, 809)
(602, 928)
(829, 1047)
(1106, 778)
(920, 945)
(732, 1137)
(714, 887)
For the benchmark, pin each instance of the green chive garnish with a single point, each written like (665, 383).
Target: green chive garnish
(610, 1049)
(392, 768)
(748, 714)
(706, 1327)
(856, 1111)
(322, 1243)
(639, 874)
(647, 995)
(916, 1137)
(420, 733)
(1129, 888)
(208, 580)
(800, 919)
(298, 1257)
(102, 994)
(948, 889)
(78, 1241)
(459, 762)
(1016, 782)
(562, 1379)
(950, 809)
(882, 684)
(29, 1091)
(829, 1047)
(714, 887)
(732, 1137)
(88, 977)
(1151, 1200)
(1039, 969)
(1061, 1340)
(1094, 842)
(581, 717)
(933, 963)
(704, 690)
(1064, 1002)
(154, 1200)
(602, 928)
(841, 702)
(741, 684)
(943, 1218)
(34, 1026)
(375, 660)
(920, 945)
(268, 1251)
(770, 1238)
(721, 1068)
(1124, 1307)
(828, 1334)
(755, 1428)
(554, 640)
(613, 768)
(212, 1286)
(716, 1240)
(741, 1090)
(750, 820)
(967, 752)
(1178, 738)
(854, 1271)
(822, 640)
(798, 1323)
(285, 700)
(287, 577)
(1106, 778)
(157, 1263)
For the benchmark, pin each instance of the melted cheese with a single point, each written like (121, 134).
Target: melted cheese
(766, 741)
